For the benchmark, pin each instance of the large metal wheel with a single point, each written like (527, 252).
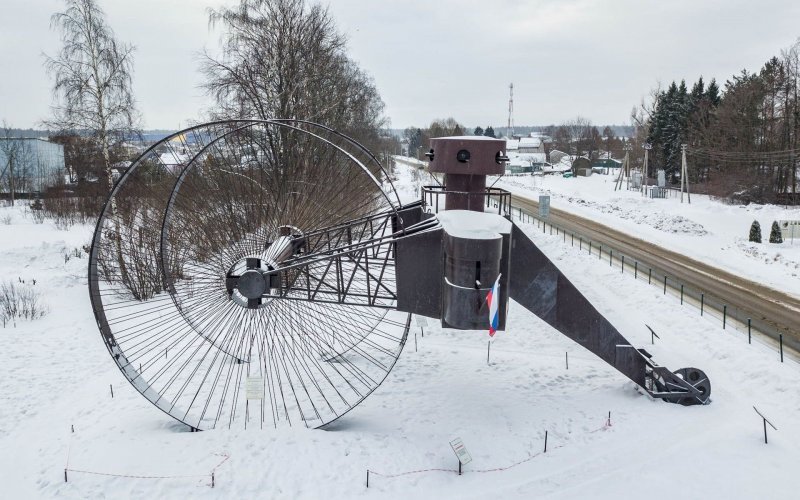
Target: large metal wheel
(180, 281)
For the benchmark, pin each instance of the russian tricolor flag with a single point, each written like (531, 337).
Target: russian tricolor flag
(493, 298)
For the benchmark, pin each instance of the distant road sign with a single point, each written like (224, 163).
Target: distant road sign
(461, 451)
(544, 206)
(422, 321)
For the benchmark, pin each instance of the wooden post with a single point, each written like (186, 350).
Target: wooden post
(545, 441)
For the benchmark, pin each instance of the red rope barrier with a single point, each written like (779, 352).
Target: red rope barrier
(134, 476)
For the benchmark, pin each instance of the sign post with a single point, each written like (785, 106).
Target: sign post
(254, 388)
(422, 322)
(544, 205)
(461, 453)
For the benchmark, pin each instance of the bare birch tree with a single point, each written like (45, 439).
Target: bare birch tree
(92, 79)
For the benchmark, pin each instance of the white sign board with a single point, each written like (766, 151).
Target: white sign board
(422, 321)
(461, 451)
(544, 206)
(254, 387)
(790, 229)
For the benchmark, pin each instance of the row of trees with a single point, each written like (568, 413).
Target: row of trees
(576, 137)
(742, 139)
(488, 132)
(418, 139)
(279, 59)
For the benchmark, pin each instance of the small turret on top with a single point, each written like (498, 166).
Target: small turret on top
(466, 161)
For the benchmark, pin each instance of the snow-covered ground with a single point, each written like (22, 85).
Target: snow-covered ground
(55, 373)
(707, 230)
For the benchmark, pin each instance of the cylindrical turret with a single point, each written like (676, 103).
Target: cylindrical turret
(466, 161)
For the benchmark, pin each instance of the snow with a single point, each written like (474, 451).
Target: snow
(55, 373)
(477, 225)
(707, 230)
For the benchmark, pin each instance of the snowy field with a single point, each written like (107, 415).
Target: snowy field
(709, 231)
(55, 373)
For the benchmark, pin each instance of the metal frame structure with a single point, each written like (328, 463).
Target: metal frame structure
(267, 275)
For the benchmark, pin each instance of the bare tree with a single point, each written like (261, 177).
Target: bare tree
(92, 79)
(15, 163)
(8, 156)
(582, 135)
(285, 59)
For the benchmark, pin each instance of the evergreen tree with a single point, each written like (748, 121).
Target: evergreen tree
(755, 232)
(489, 132)
(775, 234)
(712, 93)
(478, 131)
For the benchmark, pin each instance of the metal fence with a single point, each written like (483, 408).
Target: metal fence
(730, 317)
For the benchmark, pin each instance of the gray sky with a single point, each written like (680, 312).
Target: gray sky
(437, 58)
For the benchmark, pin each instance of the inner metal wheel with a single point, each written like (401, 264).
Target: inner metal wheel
(200, 220)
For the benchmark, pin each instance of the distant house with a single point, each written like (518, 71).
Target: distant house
(606, 163)
(531, 145)
(556, 156)
(37, 164)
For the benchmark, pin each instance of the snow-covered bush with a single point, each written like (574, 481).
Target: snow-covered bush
(755, 232)
(20, 300)
(775, 234)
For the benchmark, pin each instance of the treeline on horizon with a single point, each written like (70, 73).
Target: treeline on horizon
(741, 137)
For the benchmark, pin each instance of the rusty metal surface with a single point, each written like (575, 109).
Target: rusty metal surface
(482, 155)
(539, 286)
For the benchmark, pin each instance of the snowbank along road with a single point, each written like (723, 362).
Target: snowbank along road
(772, 306)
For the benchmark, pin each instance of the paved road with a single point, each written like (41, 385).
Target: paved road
(757, 301)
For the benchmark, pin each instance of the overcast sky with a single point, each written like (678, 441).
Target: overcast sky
(436, 58)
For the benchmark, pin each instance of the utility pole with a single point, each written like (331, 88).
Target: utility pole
(625, 165)
(684, 175)
(647, 148)
(510, 128)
